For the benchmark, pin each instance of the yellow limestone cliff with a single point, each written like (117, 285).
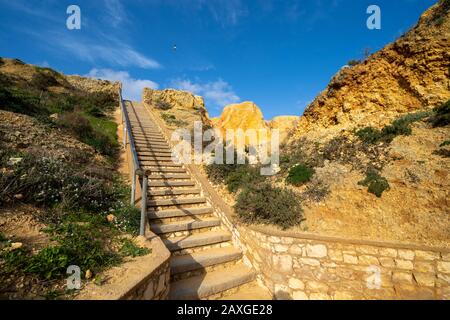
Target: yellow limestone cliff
(247, 115)
(409, 74)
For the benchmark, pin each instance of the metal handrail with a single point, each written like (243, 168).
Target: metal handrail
(137, 169)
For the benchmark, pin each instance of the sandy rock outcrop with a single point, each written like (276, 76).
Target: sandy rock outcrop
(285, 125)
(247, 115)
(94, 85)
(407, 75)
(185, 106)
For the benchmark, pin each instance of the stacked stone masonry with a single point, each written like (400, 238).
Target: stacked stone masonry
(297, 268)
(153, 287)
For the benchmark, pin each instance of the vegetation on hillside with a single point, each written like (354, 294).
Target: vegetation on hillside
(49, 98)
(261, 199)
(401, 126)
(80, 199)
(257, 199)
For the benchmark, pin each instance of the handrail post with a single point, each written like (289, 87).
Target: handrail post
(124, 136)
(133, 186)
(143, 204)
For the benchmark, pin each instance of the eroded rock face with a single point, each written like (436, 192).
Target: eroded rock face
(247, 115)
(185, 105)
(409, 74)
(94, 85)
(285, 124)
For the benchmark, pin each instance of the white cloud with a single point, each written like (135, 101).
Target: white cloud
(116, 13)
(218, 93)
(94, 46)
(132, 88)
(110, 51)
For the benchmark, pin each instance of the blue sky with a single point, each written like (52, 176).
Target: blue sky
(278, 53)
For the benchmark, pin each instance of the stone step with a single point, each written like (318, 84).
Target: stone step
(152, 144)
(153, 154)
(203, 286)
(171, 183)
(156, 158)
(159, 164)
(173, 192)
(252, 291)
(175, 201)
(203, 259)
(197, 240)
(153, 150)
(146, 133)
(188, 212)
(168, 176)
(143, 125)
(185, 225)
(138, 129)
(167, 170)
(154, 137)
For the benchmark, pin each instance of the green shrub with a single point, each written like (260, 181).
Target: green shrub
(49, 182)
(170, 119)
(49, 263)
(217, 173)
(376, 184)
(299, 175)
(85, 245)
(369, 135)
(401, 126)
(128, 219)
(163, 105)
(242, 175)
(262, 203)
(95, 112)
(98, 133)
(19, 101)
(13, 261)
(442, 115)
(130, 249)
(41, 80)
(445, 143)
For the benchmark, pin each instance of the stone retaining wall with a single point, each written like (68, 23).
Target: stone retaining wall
(141, 278)
(313, 267)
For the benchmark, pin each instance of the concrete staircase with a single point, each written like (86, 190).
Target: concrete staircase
(204, 263)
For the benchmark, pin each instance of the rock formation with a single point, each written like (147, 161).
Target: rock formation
(184, 105)
(285, 124)
(411, 73)
(247, 115)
